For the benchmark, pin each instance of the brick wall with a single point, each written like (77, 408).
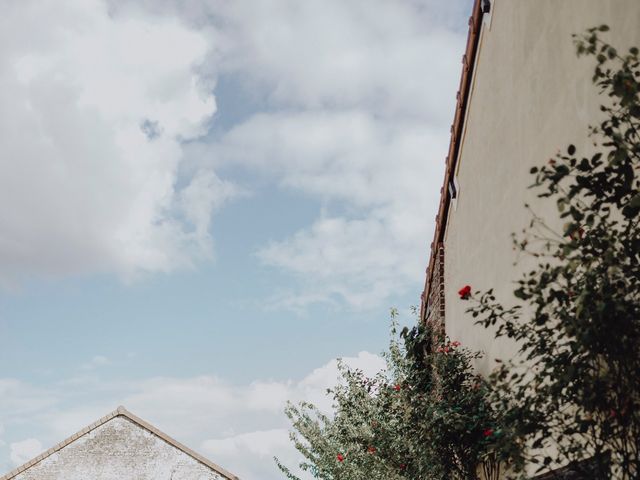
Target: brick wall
(434, 309)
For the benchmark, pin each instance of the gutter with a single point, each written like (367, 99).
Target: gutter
(468, 63)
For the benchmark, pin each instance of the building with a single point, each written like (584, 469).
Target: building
(524, 94)
(119, 446)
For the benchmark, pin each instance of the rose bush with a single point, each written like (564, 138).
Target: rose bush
(425, 417)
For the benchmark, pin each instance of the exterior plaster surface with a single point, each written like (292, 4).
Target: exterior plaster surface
(119, 450)
(531, 96)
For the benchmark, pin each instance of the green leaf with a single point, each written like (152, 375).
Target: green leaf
(635, 201)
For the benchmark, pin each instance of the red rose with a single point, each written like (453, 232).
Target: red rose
(488, 432)
(576, 234)
(439, 349)
(371, 449)
(340, 457)
(402, 466)
(397, 388)
(465, 292)
(455, 344)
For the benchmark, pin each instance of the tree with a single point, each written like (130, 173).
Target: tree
(573, 395)
(425, 417)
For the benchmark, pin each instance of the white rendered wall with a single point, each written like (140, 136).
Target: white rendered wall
(119, 450)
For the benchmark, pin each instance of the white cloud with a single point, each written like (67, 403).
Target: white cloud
(240, 426)
(96, 175)
(361, 96)
(258, 448)
(384, 174)
(25, 450)
(359, 99)
(95, 108)
(322, 53)
(19, 398)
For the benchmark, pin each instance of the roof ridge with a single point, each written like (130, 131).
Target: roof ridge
(173, 442)
(121, 411)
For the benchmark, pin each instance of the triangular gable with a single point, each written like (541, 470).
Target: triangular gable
(124, 414)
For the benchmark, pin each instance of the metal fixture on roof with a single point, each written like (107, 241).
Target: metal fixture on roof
(453, 191)
(486, 6)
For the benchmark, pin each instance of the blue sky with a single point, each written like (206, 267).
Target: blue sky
(206, 270)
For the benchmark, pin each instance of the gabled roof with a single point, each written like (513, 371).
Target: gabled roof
(464, 92)
(121, 412)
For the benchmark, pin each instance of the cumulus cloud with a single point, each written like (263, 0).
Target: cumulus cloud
(354, 105)
(359, 97)
(95, 110)
(240, 426)
(343, 54)
(105, 167)
(378, 180)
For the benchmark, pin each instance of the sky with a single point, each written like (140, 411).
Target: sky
(203, 204)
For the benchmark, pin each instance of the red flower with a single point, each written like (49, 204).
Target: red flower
(371, 449)
(465, 292)
(576, 234)
(397, 388)
(340, 457)
(455, 344)
(488, 432)
(613, 413)
(439, 349)
(402, 466)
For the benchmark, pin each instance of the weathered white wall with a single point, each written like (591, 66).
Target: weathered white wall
(531, 97)
(119, 450)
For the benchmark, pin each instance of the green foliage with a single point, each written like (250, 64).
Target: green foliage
(576, 392)
(425, 417)
(448, 409)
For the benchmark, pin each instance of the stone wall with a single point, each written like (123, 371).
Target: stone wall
(119, 450)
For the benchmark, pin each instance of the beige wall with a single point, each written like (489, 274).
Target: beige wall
(531, 96)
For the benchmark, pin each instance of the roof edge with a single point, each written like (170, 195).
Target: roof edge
(171, 441)
(464, 92)
(120, 412)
